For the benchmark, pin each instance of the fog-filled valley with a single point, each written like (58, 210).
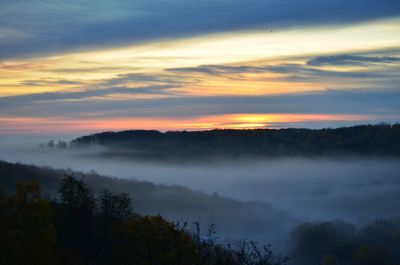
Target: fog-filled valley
(257, 198)
(309, 188)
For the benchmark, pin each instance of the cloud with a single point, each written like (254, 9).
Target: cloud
(372, 89)
(68, 70)
(302, 72)
(49, 82)
(55, 97)
(380, 68)
(342, 60)
(363, 102)
(138, 77)
(50, 26)
(218, 69)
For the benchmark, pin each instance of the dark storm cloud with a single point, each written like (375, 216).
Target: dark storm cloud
(48, 26)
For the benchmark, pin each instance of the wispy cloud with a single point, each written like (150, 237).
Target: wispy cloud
(340, 60)
(122, 79)
(219, 69)
(41, 98)
(382, 70)
(49, 82)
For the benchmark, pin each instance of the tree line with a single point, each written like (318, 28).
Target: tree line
(79, 228)
(365, 140)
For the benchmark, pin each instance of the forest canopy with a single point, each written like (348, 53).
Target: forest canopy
(366, 140)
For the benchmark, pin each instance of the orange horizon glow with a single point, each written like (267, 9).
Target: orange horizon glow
(21, 125)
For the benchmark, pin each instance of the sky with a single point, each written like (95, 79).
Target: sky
(77, 67)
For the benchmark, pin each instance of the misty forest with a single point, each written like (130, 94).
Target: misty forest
(199, 132)
(328, 196)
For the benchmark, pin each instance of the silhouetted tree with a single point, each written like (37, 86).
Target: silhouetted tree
(114, 209)
(152, 240)
(50, 144)
(330, 260)
(75, 217)
(27, 234)
(313, 241)
(368, 255)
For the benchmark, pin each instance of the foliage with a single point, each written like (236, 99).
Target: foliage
(366, 140)
(330, 260)
(74, 216)
(154, 241)
(367, 255)
(80, 228)
(27, 235)
(341, 243)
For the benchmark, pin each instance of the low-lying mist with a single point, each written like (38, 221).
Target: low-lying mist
(353, 189)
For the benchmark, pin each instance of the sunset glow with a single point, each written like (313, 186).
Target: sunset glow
(147, 84)
(15, 126)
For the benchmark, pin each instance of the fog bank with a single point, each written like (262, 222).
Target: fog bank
(356, 189)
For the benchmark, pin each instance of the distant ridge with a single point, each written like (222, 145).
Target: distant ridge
(364, 140)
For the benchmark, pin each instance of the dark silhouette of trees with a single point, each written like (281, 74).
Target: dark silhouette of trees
(384, 233)
(114, 209)
(54, 145)
(152, 240)
(367, 255)
(74, 217)
(80, 228)
(313, 241)
(330, 260)
(365, 140)
(27, 234)
(341, 243)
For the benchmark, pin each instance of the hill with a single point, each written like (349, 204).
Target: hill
(232, 218)
(366, 140)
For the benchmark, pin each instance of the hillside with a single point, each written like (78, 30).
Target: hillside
(81, 226)
(232, 218)
(366, 140)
